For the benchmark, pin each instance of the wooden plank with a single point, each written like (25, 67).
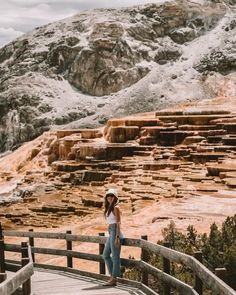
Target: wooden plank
(10, 285)
(68, 237)
(87, 274)
(55, 283)
(60, 236)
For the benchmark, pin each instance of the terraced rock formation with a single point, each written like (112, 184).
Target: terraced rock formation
(153, 159)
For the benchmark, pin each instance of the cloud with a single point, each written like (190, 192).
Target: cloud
(19, 16)
(7, 35)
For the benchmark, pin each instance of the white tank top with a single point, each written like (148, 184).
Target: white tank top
(111, 218)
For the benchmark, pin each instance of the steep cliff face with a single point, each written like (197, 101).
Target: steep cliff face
(87, 68)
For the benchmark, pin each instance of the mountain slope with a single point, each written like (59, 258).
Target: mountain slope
(105, 62)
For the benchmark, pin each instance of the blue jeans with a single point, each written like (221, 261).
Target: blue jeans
(112, 262)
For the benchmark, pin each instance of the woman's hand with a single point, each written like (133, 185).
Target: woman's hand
(117, 242)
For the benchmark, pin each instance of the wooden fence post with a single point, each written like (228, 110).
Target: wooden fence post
(31, 243)
(221, 273)
(198, 287)
(144, 257)
(2, 256)
(26, 287)
(69, 247)
(3, 277)
(166, 269)
(102, 267)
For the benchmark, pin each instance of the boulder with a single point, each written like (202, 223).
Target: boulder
(182, 35)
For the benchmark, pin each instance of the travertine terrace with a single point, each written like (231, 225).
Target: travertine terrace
(182, 158)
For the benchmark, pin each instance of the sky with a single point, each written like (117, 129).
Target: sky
(20, 16)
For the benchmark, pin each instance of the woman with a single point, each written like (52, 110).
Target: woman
(112, 214)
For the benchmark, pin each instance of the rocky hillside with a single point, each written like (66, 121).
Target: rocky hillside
(85, 69)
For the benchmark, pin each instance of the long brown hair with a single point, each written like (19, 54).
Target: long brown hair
(110, 208)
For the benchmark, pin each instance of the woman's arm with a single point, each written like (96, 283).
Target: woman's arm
(118, 222)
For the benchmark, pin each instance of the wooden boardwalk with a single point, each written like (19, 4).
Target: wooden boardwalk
(66, 280)
(46, 282)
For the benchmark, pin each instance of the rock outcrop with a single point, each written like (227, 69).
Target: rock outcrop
(221, 59)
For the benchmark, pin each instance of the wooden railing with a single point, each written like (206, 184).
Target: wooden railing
(202, 275)
(24, 271)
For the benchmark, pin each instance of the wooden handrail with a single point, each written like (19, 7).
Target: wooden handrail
(10, 285)
(67, 237)
(166, 278)
(210, 280)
